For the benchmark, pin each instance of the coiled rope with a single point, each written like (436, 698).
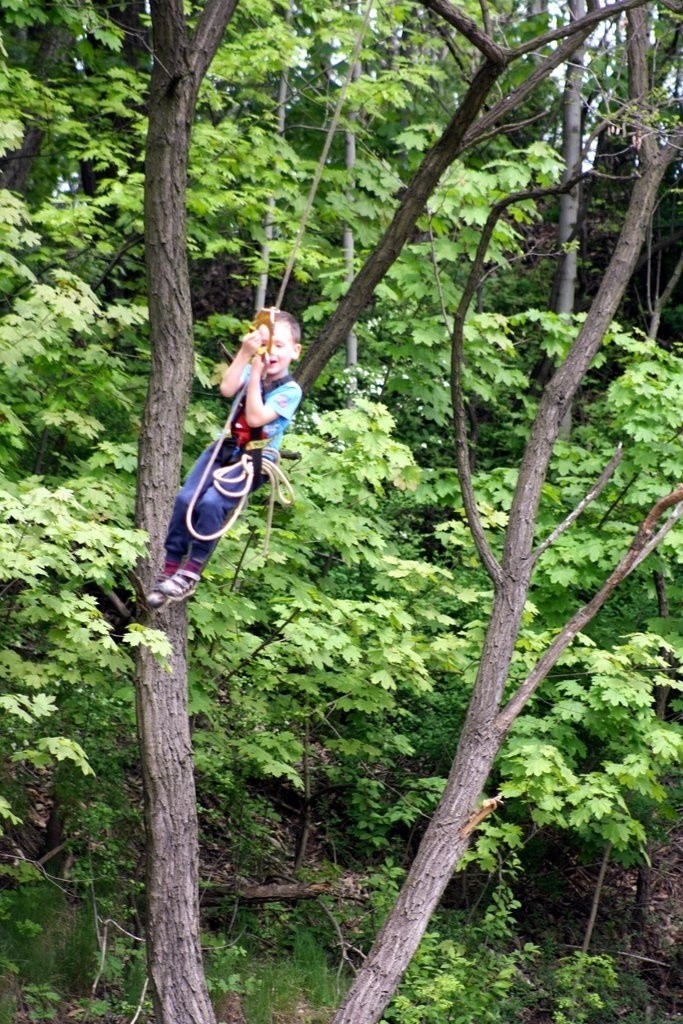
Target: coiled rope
(231, 486)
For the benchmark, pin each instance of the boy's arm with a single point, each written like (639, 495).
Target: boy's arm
(256, 412)
(232, 378)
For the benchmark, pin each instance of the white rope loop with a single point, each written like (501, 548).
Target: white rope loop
(225, 482)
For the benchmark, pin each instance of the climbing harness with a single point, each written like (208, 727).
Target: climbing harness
(236, 480)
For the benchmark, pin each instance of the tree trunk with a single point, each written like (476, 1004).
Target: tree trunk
(174, 953)
(348, 246)
(593, 916)
(447, 834)
(15, 167)
(564, 286)
(565, 283)
(174, 956)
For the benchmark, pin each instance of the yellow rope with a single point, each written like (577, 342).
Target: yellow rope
(326, 148)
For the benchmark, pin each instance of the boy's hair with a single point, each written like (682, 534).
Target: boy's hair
(295, 327)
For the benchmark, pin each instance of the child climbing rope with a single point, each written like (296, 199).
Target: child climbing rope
(261, 413)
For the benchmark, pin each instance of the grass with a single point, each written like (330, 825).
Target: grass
(301, 987)
(48, 951)
(45, 940)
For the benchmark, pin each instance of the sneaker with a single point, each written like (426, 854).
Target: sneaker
(179, 586)
(155, 598)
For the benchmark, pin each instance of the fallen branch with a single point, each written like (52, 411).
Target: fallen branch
(271, 892)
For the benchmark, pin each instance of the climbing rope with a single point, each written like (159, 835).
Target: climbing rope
(280, 487)
(325, 150)
(280, 490)
(239, 487)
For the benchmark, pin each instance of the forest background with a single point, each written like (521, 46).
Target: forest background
(327, 683)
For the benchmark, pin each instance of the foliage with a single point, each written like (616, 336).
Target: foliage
(329, 681)
(469, 975)
(46, 943)
(581, 983)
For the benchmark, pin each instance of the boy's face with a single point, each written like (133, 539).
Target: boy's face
(283, 350)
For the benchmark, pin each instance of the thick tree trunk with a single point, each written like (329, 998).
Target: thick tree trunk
(442, 847)
(174, 955)
(173, 946)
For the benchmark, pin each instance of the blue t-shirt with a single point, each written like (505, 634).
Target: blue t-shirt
(284, 399)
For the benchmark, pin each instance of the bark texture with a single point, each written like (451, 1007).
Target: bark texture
(174, 954)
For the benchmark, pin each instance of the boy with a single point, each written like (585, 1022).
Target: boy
(264, 412)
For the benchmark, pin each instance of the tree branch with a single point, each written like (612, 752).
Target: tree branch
(591, 496)
(459, 134)
(662, 299)
(210, 29)
(585, 24)
(561, 389)
(491, 564)
(136, 239)
(468, 28)
(492, 117)
(389, 247)
(644, 542)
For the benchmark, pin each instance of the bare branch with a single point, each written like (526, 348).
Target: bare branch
(469, 28)
(591, 496)
(466, 127)
(596, 899)
(489, 560)
(511, 127)
(581, 25)
(644, 542)
(389, 247)
(492, 118)
(141, 1001)
(661, 301)
(136, 239)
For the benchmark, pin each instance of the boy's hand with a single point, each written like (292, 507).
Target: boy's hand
(255, 340)
(259, 364)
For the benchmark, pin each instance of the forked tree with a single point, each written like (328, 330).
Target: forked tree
(488, 720)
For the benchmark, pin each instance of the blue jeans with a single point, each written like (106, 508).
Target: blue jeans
(210, 511)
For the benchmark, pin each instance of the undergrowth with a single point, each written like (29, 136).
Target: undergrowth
(282, 969)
